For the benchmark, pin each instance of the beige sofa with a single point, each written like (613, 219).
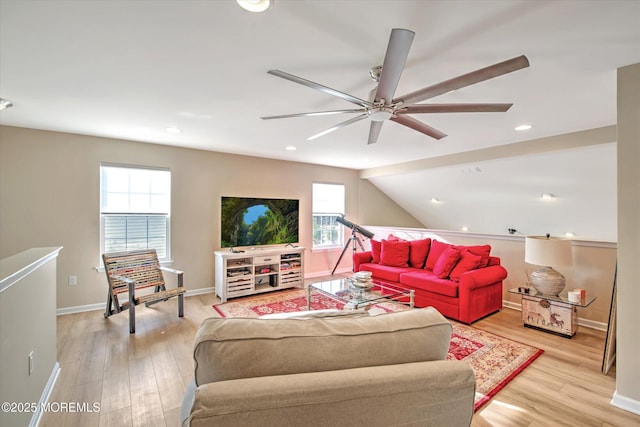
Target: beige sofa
(342, 370)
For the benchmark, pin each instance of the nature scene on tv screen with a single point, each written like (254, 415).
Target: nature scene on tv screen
(252, 222)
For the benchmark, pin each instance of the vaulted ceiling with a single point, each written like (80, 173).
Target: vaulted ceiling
(132, 69)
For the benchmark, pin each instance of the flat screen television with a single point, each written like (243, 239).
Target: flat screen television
(247, 221)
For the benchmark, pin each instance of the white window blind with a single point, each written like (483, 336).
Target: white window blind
(327, 205)
(135, 209)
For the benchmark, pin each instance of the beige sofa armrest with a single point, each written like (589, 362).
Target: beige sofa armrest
(438, 394)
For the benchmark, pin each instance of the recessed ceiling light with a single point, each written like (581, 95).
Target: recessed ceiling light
(547, 196)
(5, 103)
(435, 200)
(465, 228)
(255, 5)
(290, 148)
(523, 127)
(173, 129)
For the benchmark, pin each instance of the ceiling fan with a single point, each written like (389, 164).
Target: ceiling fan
(383, 106)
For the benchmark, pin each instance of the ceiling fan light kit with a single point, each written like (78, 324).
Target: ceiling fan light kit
(383, 106)
(380, 114)
(255, 5)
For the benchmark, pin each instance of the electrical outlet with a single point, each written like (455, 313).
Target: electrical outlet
(73, 280)
(31, 362)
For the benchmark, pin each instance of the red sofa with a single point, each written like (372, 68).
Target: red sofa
(462, 282)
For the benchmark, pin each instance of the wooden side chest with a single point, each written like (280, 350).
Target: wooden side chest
(554, 316)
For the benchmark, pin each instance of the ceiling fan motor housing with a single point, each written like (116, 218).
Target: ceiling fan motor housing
(380, 114)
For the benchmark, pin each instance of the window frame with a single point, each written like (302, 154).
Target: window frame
(132, 213)
(339, 241)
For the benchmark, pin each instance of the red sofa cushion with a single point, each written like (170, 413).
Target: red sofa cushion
(395, 253)
(376, 246)
(418, 251)
(384, 272)
(481, 250)
(446, 261)
(427, 281)
(393, 238)
(467, 262)
(437, 247)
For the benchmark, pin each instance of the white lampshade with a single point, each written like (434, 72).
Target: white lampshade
(547, 251)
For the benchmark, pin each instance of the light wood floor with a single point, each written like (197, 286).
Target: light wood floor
(138, 379)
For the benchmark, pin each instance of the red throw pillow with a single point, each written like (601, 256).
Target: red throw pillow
(446, 262)
(393, 238)
(375, 251)
(482, 250)
(418, 250)
(467, 262)
(394, 253)
(436, 250)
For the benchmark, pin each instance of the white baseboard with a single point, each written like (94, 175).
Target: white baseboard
(512, 305)
(46, 393)
(581, 322)
(200, 291)
(625, 403)
(101, 306)
(80, 308)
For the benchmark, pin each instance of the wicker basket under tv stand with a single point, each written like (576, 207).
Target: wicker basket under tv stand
(258, 270)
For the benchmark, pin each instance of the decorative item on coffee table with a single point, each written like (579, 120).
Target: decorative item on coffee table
(362, 279)
(358, 284)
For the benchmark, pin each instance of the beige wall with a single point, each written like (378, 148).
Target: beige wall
(49, 196)
(372, 208)
(27, 325)
(628, 320)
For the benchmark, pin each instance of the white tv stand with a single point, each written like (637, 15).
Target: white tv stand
(258, 270)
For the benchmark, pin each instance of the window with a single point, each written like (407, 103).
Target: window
(134, 209)
(328, 204)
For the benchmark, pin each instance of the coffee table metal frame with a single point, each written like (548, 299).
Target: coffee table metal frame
(356, 297)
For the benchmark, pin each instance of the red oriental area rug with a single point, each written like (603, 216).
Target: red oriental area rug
(495, 360)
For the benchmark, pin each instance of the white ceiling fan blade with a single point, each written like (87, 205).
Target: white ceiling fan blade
(319, 87)
(315, 113)
(454, 108)
(465, 80)
(394, 60)
(414, 124)
(338, 126)
(374, 132)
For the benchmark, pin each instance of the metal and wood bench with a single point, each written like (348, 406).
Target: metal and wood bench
(128, 272)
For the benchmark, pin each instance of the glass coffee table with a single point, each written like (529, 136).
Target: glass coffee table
(355, 297)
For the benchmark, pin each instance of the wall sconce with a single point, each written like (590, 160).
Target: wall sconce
(5, 103)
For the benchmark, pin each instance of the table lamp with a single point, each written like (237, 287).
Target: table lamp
(546, 251)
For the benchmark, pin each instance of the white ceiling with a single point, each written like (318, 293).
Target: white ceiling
(130, 69)
(494, 195)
